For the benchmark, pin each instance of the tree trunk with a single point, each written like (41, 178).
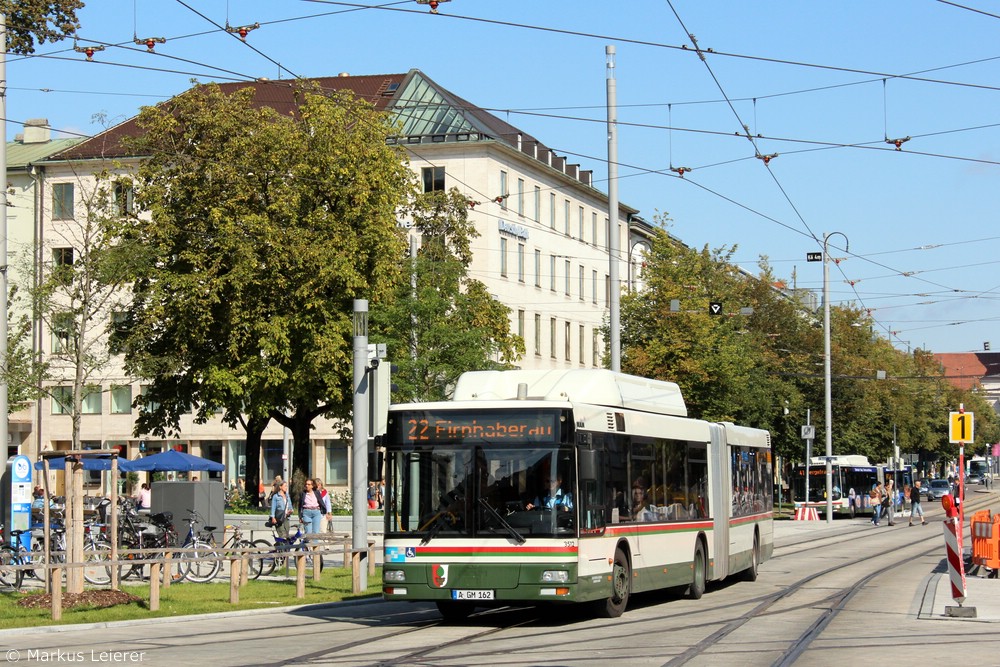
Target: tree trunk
(251, 483)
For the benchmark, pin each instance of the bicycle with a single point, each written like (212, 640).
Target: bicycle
(236, 541)
(134, 535)
(277, 559)
(10, 558)
(203, 563)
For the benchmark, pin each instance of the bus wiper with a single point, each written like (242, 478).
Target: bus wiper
(439, 523)
(503, 522)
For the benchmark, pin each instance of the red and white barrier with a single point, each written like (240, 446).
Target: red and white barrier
(956, 566)
(806, 514)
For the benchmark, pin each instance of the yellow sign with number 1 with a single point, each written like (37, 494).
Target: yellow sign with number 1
(961, 427)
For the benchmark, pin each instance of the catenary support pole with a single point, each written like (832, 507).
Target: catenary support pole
(614, 298)
(359, 451)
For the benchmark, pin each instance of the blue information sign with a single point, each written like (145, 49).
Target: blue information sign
(20, 498)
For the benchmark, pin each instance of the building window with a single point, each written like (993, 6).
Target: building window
(503, 257)
(62, 265)
(538, 268)
(552, 272)
(520, 262)
(62, 201)
(568, 279)
(569, 340)
(607, 234)
(581, 223)
(121, 399)
(538, 335)
(503, 190)
(593, 286)
(62, 400)
(118, 328)
(552, 210)
(538, 204)
(566, 217)
(152, 406)
(593, 227)
(520, 196)
(520, 323)
(336, 462)
(595, 353)
(552, 337)
(124, 194)
(607, 289)
(63, 332)
(433, 179)
(582, 291)
(582, 342)
(91, 403)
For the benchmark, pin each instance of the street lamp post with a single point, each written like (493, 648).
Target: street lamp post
(826, 372)
(359, 450)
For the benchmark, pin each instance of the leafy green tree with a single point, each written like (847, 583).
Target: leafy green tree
(441, 322)
(262, 229)
(38, 21)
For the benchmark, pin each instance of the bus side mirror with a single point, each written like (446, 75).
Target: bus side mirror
(588, 464)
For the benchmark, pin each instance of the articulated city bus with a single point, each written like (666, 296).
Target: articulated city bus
(853, 478)
(568, 486)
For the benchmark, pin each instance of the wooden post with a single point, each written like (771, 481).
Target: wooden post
(154, 587)
(113, 520)
(244, 569)
(74, 524)
(300, 574)
(235, 574)
(168, 570)
(317, 562)
(56, 587)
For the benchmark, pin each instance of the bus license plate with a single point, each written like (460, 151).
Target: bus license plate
(471, 595)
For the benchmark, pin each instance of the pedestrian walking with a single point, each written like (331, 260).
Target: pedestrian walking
(889, 501)
(876, 501)
(915, 508)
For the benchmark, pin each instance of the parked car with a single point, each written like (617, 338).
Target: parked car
(973, 478)
(925, 485)
(937, 489)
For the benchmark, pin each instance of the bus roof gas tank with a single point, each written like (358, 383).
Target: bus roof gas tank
(596, 386)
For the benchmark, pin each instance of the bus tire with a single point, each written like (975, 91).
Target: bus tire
(698, 572)
(750, 574)
(621, 587)
(455, 612)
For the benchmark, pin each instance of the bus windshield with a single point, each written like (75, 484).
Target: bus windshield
(447, 491)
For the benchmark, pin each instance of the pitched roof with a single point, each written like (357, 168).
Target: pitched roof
(428, 114)
(277, 94)
(20, 154)
(966, 370)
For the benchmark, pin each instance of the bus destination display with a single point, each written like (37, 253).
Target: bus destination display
(497, 427)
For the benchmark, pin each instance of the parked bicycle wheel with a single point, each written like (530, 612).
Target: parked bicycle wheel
(265, 561)
(96, 570)
(8, 575)
(200, 566)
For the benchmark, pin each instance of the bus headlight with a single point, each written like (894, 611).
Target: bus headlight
(555, 576)
(394, 576)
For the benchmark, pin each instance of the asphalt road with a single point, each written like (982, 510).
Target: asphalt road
(834, 594)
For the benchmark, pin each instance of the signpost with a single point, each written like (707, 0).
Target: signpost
(961, 429)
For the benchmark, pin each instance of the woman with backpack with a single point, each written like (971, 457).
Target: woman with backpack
(281, 510)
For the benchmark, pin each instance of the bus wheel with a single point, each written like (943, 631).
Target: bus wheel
(750, 574)
(698, 570)
(621, 587)
(455, 612)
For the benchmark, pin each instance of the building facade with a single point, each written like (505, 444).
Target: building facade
(543, 251)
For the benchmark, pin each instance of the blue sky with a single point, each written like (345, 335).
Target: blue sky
(819, 82)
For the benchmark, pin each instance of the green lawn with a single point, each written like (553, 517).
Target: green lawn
(186, 599)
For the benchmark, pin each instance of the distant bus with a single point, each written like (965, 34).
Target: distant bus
(853, 478)
(979, 465)
(648, 497)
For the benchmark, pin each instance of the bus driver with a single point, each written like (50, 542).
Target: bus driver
(556, 498)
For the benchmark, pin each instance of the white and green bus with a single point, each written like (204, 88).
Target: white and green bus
(568, 486)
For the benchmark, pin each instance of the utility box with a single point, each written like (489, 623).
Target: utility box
(207, 498)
